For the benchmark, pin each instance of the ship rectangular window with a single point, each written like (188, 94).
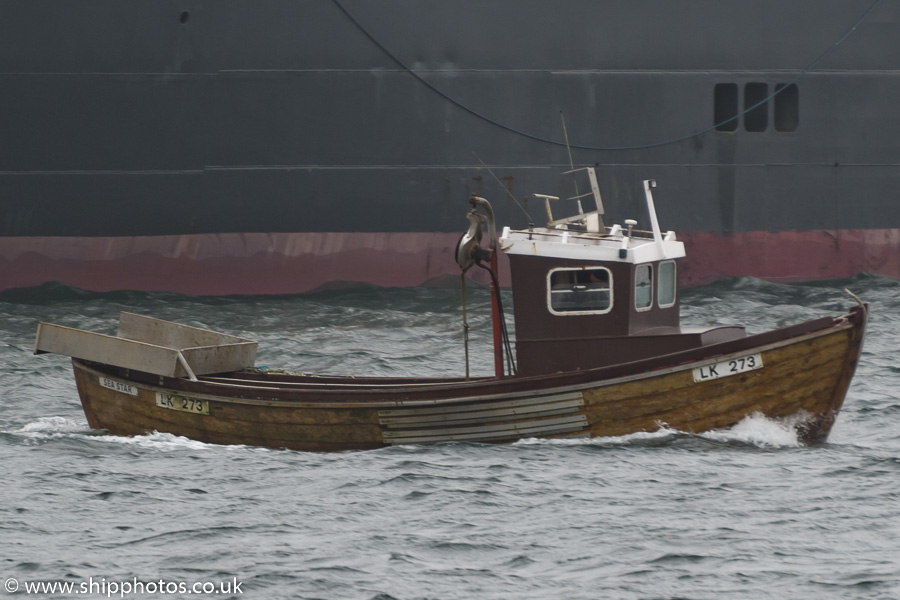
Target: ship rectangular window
(756, 107)
(643, 287)
(579, 291)
(787, 107)
(666, 284)
(725, 106)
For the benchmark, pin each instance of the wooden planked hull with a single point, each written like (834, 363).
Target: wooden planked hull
(802, 371)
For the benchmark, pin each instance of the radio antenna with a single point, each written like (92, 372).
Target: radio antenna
(571, 163)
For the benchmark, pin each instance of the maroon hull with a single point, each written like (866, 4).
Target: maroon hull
(289, 263)
(791, 255)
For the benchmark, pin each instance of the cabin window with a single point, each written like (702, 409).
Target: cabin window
(756, 115)
(665, 284)
(579, 291)
(787, 107)
(725, 106)
(643, 287)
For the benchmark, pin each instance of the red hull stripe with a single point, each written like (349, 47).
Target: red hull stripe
(289, 263)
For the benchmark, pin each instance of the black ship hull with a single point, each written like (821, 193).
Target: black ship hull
(277, 147)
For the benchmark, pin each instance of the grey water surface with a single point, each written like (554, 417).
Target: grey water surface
(742, 513)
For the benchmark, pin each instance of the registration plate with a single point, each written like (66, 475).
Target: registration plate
(727, 368)
(112, 384)
(182, 403)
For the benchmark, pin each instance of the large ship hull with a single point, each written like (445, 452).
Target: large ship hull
(279, 147)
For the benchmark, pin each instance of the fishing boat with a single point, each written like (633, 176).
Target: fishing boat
(599, 351)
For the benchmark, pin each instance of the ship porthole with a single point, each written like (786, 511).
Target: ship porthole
(184, 17)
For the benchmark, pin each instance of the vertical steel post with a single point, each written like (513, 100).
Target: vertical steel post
(495, 318)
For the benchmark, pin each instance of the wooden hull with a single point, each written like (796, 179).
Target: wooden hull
(802, 371)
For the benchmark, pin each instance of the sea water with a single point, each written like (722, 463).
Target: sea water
(741, 513)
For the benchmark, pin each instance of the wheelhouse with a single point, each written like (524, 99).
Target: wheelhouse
(586, 296)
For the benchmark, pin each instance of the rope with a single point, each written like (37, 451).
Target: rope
(536, 138)
(507, 346)
(465, 321)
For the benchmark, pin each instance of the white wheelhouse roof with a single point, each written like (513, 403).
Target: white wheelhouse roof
(555, 243)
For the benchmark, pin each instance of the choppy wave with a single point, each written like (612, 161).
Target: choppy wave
(46, 429)
(745, 512)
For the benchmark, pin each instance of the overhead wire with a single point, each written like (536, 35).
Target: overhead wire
(537, 138)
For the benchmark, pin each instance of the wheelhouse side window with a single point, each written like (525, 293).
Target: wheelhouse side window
(579, 291)
(643, 287)
(665, 284)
